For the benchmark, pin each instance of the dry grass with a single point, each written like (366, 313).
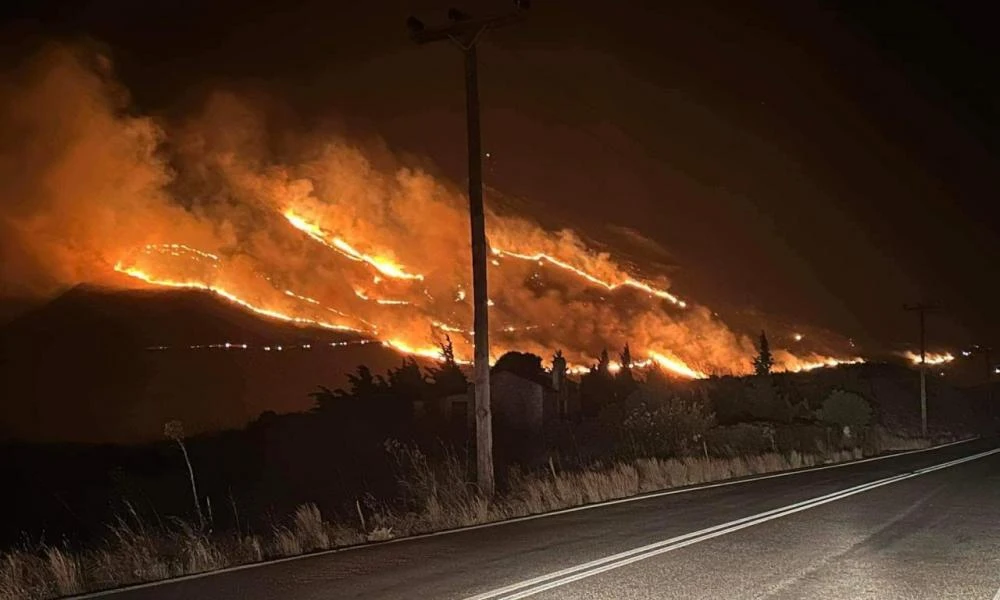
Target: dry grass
(65, 570)
(307, 533)
(435, 497)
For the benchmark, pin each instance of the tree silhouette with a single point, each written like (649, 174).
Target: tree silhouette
(625, 382)
(597, 386)
(364, 389)
(372, 400)
(603, 366)
(764, 361)
(447, 378)
(522, 364)
(407, 378)
(447, 351)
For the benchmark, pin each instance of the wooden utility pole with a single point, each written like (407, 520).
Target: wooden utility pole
(988, 355)
(465, 32)
(922, 310)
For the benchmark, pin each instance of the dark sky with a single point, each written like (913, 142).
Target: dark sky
(823, 161)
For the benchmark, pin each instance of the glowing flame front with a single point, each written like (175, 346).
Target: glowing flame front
(930, 358)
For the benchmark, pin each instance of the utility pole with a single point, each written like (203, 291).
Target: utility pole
(988, 355)
(922, 310)
(465, 32)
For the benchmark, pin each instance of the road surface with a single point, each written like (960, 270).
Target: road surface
(897, 527)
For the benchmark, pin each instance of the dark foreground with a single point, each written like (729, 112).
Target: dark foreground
(933, 534)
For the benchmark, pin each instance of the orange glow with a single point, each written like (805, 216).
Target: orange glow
(325, 226)
(676, 366)
(930, 358)
(425, 351)
(628, 282)
(383, 265)
(385, 302)
(303, 298)
(230, 296)
(404, 344)
(807, 365)
(449, 328)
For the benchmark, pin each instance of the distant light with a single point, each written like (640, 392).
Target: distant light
(966, 353)
(798, 337)
(487, 155)
(996, 370)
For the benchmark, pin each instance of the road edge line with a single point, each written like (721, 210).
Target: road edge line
(550, 581)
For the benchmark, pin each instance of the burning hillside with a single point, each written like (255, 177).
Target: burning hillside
(329, 234)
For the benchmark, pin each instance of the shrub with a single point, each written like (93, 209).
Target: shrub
(663, 424)
(846, 409)
(765, 403)
(742, 439)
(803, 438)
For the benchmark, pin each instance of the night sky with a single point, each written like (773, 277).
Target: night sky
(821, 161)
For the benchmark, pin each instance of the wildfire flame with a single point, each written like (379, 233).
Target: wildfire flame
(661, 359)
(930, 358)
(825, 362)
(328, 237)
(669, 363)
(432, 352)
(383, 265)
(228, 295)
(676, 366)
(633, 283)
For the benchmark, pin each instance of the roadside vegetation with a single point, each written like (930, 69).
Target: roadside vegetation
(632, 434)
(435, 497)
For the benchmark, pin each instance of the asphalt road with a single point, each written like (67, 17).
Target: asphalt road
(889, 528)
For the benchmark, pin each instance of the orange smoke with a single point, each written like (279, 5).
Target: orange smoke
(340, 236)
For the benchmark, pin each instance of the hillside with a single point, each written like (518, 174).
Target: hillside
(98, 365)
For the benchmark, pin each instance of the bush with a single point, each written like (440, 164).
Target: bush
(659, 423)
(765, 403)
(742, 439)
(846, 409)
(803, 438)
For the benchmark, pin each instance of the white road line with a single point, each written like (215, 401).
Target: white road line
(996, 596)
(568, 575)
(544, 515)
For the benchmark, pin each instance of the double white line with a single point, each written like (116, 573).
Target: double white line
(536, 585)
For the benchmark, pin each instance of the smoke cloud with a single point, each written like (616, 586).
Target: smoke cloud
(306, 226)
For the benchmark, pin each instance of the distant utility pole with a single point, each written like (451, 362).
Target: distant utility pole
(922, 310)
(988, 355)
(465, 32)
